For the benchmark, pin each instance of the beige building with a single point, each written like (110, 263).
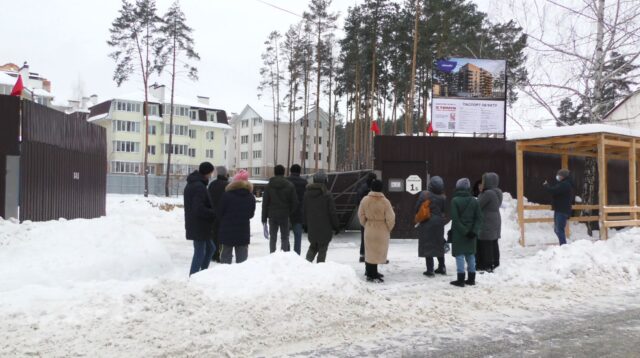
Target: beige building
(626, 113)
(199, 132)
(252, 144)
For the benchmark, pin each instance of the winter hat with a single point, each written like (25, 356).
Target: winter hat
(278, 170)
(205, 168)
(320, 177)
(376, 185)
(221, 171)
(564, 173)
(436, 185)
(241, 175)
(371, 177)
(295, 169)
(463, 183)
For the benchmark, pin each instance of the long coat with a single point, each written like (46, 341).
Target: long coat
(320, 216)
(377, 216)
(198, 214)
(465, 217)
(235, 210)
(490, 201)
(216, 190)
(431, 232)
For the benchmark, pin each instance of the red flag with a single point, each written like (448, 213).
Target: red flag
(18, 87)
(430, 128)
(375, 128)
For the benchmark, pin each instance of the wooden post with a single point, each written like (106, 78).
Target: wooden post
(633, 194)
(520, 189)
(565, 165)
(602, 185)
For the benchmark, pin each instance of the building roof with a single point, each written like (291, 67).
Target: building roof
(636, 93)
(572, 130)
(138, 96)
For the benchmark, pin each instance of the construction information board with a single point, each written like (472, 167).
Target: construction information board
(467, 116)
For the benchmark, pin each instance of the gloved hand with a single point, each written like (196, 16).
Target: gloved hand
(471, 235)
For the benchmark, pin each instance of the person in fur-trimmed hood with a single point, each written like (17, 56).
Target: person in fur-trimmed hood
(235, 211)
(320, 218)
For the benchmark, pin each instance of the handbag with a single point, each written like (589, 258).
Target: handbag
(424, 212)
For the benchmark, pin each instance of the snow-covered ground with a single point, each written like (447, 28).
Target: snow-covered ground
(118, 286)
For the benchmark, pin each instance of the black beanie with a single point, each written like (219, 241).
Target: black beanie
(376, 185)
(205, 168)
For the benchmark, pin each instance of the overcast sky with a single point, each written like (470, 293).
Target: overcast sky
(65, 41)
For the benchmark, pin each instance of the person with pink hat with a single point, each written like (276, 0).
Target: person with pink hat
(236, 208)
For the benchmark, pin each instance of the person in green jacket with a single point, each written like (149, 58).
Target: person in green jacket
(466, 221)
(320, 220)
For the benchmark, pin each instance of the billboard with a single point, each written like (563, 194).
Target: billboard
(469, 95)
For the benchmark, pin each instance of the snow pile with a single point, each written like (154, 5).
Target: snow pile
(62, 253)
(276, 277)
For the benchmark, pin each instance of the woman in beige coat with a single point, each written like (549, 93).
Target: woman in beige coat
(377, 216)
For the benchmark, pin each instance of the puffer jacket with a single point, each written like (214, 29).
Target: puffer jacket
(198, 214)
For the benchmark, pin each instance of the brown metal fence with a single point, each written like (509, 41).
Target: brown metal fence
(62, 163)
(453, 158)
(9, 132)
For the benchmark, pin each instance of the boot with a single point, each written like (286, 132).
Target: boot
(460, 281)
(442, 269)
(472, 279)
(429, 272)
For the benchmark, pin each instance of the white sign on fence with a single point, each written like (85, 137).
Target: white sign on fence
(413, 184)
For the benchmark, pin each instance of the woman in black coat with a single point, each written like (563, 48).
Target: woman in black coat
(431, 232)
(235, 211)
(490, 200)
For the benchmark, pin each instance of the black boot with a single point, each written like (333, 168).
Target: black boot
(442, 269)
(429, 272)
(460, 281)
(472, 279)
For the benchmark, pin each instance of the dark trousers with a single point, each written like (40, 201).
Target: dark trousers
(281, 224)
(216, 241)
(559, 225)
(496, 253)
(371, 270)
(226, 253)
(429, 261)
(317, 248)
(297, 237)
(202, 253)
(484, 255)
(361, 241)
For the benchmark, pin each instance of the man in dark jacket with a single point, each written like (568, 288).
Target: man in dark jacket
(561, 193)
(296, 218)
(216, 189)
(279, 201)
(320, 218)
(363, 190)
(199, 216)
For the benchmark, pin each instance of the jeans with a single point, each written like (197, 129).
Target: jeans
(559, 225)
(281, 224)
(297, 237)
(317, 248)
(202, 253)
(471, 263)
(226, 253)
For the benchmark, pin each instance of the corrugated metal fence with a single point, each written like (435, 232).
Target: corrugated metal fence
(62, 163)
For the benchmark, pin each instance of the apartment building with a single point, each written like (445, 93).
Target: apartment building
(252, 145)
(37, 88)
(198, 129)
(475, 80)
(626, 113)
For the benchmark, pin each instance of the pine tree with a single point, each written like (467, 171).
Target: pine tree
(271, 77)
(176, 42)
(135, 39)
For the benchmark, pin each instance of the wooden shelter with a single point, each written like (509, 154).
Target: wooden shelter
(602, 142)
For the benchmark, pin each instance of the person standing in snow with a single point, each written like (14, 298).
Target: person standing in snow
(362, 191)
(377, 216)
(279, 201)
(561, 193)
(296, 218)
(490, 200)
(216, 189)
(237, 207)
(199, 217)
(320, 218)
(431, 239)
(466, 222)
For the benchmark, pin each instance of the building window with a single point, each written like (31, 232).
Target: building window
(151, 149)
(179, 169)
(177, 110)
(153, 110)
(318, 140)
(244, 139)
(178, 149)
(257, 154)
(245, 123)
(151, 169)
(257, 121)
(304, 155)
(192, 133)
(257, 138)
(177, 129)
(212, 116)
(209, 153)
(317, 156)
(124, 106)
(126, 147)
(125, 167)
(255, 171)
(126, 126)
(152, 129)
(210, 135)
(244, 155)
(192, 152)
(193, 114)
